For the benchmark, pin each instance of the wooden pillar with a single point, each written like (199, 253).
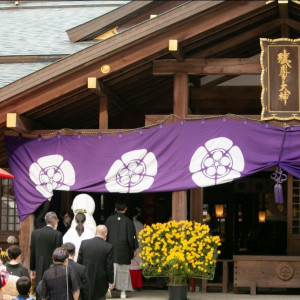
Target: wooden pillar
(181, 94)
(196, 214)
(26, 227)
(103, 113)
(196, 205)
(180, 108)
(179, 210)
(103, 124)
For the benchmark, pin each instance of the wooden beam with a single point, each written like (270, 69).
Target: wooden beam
(127, 16)
(230, 66)
(99, 88)
(284, 15)
(101, 24)
(56, 104)
(20, 123)
(48, 133)
(224, 106)
(155, 119)
(237, 117)
(232, 93)
(114, 98)
(243, 37)
(219, 80)
(176, 50)
(135, 72)
(293, 24)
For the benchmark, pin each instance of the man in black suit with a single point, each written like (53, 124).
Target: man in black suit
(80, 270)
(43, 242)
(97, 255)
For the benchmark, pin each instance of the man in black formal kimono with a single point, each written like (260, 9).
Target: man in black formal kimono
(43, 242)
(122, 235)
(80, 271)
(96, 255)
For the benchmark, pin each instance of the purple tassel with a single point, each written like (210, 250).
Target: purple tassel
(278, 177)
(278, 193)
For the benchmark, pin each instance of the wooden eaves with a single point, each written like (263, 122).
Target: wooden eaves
(131, 53)
(123, 18)
(72, 72)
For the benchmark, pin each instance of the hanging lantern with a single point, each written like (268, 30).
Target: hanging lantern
(262, 216)
(219, 210)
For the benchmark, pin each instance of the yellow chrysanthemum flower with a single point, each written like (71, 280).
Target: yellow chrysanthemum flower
(178, 250)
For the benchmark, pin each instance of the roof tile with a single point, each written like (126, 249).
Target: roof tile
(42, 31)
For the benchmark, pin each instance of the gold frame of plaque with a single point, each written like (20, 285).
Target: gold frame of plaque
(280, 79)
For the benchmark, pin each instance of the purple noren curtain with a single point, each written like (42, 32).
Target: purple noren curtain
(170, 157)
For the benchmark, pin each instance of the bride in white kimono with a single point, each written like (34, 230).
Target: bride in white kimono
(78, 234)
(84, 203)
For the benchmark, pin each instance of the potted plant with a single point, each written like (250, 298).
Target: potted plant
(179, 251)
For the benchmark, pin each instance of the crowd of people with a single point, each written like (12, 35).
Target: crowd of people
(72, 262)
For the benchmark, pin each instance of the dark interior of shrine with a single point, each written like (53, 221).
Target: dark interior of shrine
(250, 222)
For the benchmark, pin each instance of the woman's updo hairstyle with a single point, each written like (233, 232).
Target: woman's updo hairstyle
(80, 219)
(60, 255)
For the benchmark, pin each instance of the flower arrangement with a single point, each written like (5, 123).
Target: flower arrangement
(3, 256)
(178, 250)
(80, 211)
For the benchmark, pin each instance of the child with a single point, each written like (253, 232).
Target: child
(23, 287)
(15, 270)
(14, 266)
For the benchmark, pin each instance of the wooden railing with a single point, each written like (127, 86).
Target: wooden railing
(224, 275)
(266, 271)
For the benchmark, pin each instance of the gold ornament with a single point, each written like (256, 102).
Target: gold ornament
(105, 69)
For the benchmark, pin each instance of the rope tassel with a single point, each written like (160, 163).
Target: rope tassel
(278, 193)
(278, 177)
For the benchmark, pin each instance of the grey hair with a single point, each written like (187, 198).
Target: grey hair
(101, 230)
(50, 216)
(12, 240)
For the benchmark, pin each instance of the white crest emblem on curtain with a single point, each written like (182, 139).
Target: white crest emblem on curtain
(217, 162)
(50, 173)
(133, 173)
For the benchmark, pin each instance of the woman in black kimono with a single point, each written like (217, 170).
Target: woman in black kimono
(60, 282)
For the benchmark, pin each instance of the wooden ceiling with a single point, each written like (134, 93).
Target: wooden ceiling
(57, 96)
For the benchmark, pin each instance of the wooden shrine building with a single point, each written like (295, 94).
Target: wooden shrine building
(160, 61)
